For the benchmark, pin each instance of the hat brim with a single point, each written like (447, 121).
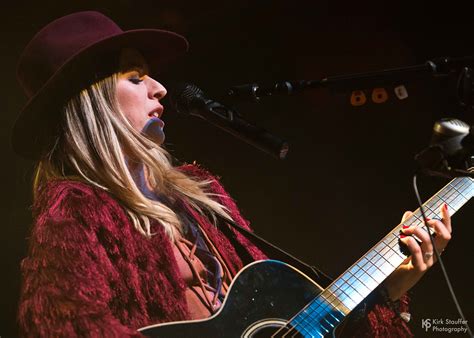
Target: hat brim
(35, 129)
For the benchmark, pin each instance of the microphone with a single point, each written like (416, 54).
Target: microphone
(450, 153)
(188, 99)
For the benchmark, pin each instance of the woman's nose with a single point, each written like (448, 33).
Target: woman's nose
(156, 89)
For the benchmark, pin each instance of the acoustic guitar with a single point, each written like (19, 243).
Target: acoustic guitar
(273, 299)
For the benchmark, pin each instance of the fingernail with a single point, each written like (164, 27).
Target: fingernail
(405, 226)
(402, 235)
(427, 219)
(445, 206)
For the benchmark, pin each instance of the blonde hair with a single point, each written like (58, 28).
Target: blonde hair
(95, 145)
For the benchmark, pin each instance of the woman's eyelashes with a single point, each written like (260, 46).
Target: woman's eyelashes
(135, 80)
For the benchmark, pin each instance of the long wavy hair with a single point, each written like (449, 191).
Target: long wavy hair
(97, 144)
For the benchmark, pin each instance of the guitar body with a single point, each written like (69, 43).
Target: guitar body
(261, 299)
(270, 296)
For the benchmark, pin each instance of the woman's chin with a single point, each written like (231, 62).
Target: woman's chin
(153, 129)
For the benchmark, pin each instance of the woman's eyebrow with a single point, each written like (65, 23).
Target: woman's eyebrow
(141, 70)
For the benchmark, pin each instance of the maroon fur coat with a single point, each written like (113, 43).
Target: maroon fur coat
(89, 272)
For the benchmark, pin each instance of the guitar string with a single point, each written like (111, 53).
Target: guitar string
(438, 255)
(348, 275)
(377, 253)
(345, 287)
(309, 316)
(443, 199)
(333, 291)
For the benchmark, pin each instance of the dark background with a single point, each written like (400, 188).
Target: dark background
(347, 179)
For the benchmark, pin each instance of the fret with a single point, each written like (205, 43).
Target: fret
(369, 255)
(334, 301)
(464, 182)
(393, 240)
(348, 290)
(319, 307)
(300, 323)
(341, 293)
(388, 253)
(354, 282)
(352, 298)
(370, 283)
(322, 304)
(306, 320)
(304, 330)
(459, 189)
(392, 255)
(452, 193)
(329, 299)
(345, 299)
(352, 293)
(460, 195)
(376, 274)
(396, 257)
(359, 273)
(364, 290)
(317, 319)
(465, 186)
(415, 218)
(430, 208)
(377, 257)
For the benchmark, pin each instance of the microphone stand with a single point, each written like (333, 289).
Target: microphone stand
(436, 66)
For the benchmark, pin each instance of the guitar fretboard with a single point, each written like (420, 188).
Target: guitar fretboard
(326, 311)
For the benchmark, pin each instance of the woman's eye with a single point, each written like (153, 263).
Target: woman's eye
(135, 80)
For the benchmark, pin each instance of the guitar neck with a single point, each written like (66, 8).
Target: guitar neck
(357, 282)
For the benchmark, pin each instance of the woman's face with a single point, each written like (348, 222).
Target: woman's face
(138, 95)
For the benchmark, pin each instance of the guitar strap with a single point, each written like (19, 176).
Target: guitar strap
(275, 252)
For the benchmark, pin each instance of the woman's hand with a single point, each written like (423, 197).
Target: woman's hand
(422, 255)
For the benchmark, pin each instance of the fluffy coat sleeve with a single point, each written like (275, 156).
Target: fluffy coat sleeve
(65, 291)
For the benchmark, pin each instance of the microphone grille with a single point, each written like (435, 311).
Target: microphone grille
(451, 127)
(182, 95)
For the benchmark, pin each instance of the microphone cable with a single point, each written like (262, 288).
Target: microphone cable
(438, 257)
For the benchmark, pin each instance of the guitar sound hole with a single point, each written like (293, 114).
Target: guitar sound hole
(268, 328)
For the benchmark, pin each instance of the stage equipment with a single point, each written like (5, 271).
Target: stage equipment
(188, 99)
(431, 68)
(451, 150)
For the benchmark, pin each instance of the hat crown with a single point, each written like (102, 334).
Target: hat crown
(58, 42)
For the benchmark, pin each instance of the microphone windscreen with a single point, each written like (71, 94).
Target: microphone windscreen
(182, 96)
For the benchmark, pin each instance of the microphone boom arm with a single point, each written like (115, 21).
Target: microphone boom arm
(437, 66)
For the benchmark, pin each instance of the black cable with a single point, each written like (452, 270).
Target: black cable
(438, 257)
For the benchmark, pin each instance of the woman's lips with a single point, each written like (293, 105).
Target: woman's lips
(153, 129)
(157, 120)
(157, 113)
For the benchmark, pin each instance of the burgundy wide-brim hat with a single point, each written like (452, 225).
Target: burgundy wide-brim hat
(70, 54)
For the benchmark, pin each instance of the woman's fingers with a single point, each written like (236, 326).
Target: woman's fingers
(416, 253)
(423, 252)
(443, 235)
(446, 217)
(425, 245)
(406, 215)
